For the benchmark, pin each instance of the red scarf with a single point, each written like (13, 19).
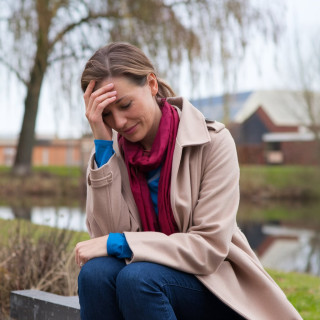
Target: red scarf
(139, 162)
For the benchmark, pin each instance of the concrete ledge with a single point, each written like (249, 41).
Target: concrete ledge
(40, 305)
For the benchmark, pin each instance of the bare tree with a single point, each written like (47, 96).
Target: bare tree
(37, 34)
(304, 73)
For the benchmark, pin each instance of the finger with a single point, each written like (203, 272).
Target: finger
(79, 249)
(75, 254)
(98, 95)
(102, 90)
(104, 100)
(81, 260)
(96, 108)
(89, 91)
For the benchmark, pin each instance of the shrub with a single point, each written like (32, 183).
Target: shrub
(36, 258)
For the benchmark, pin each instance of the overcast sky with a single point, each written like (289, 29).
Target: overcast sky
(264, 68)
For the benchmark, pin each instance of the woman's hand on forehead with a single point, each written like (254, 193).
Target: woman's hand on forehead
(96, 101)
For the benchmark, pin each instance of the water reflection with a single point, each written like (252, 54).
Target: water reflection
(21, 212)
(59, 217)
(288, 245)
(284, 247)
(64, 218)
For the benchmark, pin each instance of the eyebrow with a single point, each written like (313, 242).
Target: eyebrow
(119, 100)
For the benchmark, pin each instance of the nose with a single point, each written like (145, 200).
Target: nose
(119, 121)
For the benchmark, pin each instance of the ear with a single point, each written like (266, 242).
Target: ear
(153, 83)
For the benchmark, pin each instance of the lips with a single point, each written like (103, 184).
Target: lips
(131, 130)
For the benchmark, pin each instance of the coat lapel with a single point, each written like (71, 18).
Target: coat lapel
(192, 127)
(192, 131)
(125, 181)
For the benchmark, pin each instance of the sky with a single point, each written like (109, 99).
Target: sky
(265, 67)
(275, 62)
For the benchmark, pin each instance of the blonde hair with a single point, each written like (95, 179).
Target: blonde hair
(120, 59)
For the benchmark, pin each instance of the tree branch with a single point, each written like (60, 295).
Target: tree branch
(88, 18)
(66, 56)
(177, 3)
(12, 69)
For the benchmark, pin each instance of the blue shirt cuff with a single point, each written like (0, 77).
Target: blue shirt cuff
(104, 151)
(117, 246)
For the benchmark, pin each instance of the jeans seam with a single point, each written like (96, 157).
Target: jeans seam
(165, 308)
(181, 286)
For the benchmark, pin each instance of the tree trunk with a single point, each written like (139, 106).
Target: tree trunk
(23, 159)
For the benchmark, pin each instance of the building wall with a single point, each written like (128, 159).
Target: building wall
(252, 154)
(252, 130)
(7, 154)
(2, 158)
(300, 153)
(61, 155)
(252, 150)
(49, 152)
(291, 153)
(272, 127)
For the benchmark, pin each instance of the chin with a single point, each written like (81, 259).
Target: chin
(133, 139)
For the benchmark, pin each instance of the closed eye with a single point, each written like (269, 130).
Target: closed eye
(126, 106)
(105, 114)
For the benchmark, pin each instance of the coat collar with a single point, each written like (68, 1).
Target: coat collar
(192, 127)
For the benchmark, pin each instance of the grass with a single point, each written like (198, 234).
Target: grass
(256, 182)
(36, 257)
(25, 228)
(302, 290)
(303, 213)
(61, 171)
(280, 182)
(41, 257)
(75, 172)
(54, 182)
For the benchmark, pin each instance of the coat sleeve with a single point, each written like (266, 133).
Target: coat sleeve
(205, 244)
(106, 209)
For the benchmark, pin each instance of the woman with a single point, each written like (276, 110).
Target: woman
(162, 198)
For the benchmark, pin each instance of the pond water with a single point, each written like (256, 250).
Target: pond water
(72, 218)
(284, 235)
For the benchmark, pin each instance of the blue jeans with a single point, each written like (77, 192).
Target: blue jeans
(110, 289)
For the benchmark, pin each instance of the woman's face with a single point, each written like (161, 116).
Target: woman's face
(135, 113)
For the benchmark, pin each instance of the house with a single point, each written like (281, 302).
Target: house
(271, 127)
(274, 127)
(50, 152)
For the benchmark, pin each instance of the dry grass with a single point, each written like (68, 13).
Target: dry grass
(42, 258)
(32, 257)
(41, 183)
(280, 182)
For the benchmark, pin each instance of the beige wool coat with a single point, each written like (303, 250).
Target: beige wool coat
(204, 200)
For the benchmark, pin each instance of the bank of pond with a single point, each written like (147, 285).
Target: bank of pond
(279, 213)
(256, 183)
(42, 257)
(284, 234)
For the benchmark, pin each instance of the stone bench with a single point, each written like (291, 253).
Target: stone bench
(40, 305)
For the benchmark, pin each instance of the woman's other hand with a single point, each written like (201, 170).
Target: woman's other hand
(95, 103)
(90, 249)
